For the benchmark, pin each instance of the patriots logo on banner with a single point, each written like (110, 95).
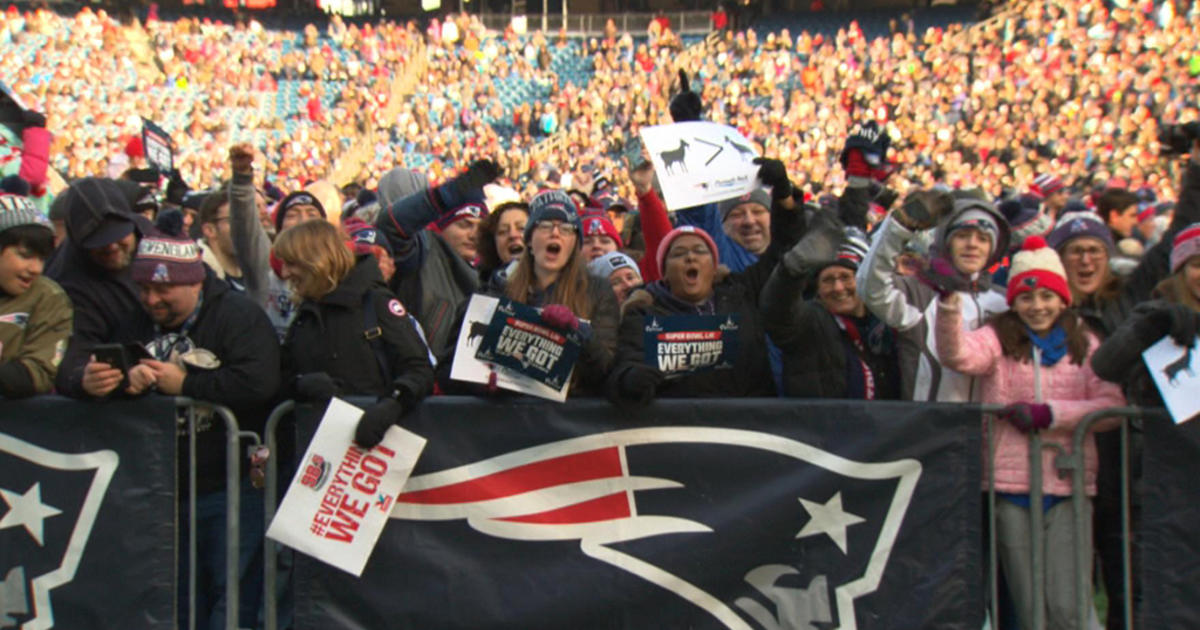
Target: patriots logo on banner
(48, 505)
(819, 540)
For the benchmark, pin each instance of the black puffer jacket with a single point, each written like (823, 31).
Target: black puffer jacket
(332, 335)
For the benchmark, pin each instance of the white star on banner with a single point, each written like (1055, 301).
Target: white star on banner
(27, 510)
(830, 519)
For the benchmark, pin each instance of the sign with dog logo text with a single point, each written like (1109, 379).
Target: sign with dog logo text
(700, 162)
(1174, 370)
(342, 494)
(684, 344)
(518, 339)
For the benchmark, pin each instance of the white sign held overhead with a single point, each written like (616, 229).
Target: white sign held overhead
(700, 162)
(1177, 375)
(342, 495)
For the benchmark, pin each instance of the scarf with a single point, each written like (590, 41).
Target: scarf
(662, 293)
(1053, 345)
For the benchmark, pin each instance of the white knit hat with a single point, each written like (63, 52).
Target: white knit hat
(16, 210)
(1037, 266)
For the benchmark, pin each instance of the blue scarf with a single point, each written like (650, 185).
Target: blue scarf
(1053, 345)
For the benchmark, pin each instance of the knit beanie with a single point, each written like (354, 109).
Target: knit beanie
(293, 199)
(1037, 266)
(16, 211)
(758, 196)
(550, 205)
(596, 224)
(1073, 225)
(469, 210)
(852, 250)
(1186, 245)
(1045, 185)
(605, 265)
(684, 230)
(167, 260)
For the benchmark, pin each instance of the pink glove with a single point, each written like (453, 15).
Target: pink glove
(560, 317)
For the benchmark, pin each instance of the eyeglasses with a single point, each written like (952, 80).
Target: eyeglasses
(546, 227)
(1079, 253)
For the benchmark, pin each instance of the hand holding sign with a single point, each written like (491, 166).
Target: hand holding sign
(700, 162)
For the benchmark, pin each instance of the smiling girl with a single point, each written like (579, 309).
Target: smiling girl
(1034, 358)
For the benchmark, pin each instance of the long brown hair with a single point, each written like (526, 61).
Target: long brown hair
(1174, 288)
(570, 290)
(1015, 342)
(489, 258)
(319, 249)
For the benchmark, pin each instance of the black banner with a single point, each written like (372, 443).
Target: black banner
(87, 516)
(689, 514)
(1170, 525)
(157, 146)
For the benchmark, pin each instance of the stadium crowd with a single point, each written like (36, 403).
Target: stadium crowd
(957, 215)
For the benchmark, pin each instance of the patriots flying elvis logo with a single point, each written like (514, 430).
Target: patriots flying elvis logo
(671, 506)
(48, 506)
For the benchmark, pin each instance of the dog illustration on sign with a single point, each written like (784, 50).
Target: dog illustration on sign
(744, 151)
(674, 157)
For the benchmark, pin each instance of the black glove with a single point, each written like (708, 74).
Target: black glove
(943, 278)
(468, 186)
(923, 209)
(33, 119)
(1160, 319)
(177, 189)
(686, 104)
(773, 173)
(819, 245)
(315, 387)
(376, 420)
(871, 140)
(639, 383)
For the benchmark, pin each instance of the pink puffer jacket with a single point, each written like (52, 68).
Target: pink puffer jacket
(1072, 391)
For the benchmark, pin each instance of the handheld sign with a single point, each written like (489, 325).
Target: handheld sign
(1177, 375)
(157, 145)
(700, 162)
(467, 368)
(342, 495)
(517, 339)
(685, 344)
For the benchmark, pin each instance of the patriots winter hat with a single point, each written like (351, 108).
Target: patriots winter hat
(604, 266)
(167, 260)
(1037, 266)
(1045, 185)
(552, 205)
(16, 211)
(598, 225)
(1186, 245)
(758, 196)
(1073, 225)
(469, 210)
(684, 230)
(293, 199)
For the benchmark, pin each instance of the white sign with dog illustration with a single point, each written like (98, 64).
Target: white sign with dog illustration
(700, 162)
(1176, 372)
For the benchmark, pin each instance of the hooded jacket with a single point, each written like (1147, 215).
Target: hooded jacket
(103, 300)
(34, 327)
(909, 307)
(431, 278)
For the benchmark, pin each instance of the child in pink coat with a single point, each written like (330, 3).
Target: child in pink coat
(1036, 328)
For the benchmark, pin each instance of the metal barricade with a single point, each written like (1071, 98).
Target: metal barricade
(1072, 462)
(233, 437)
(270, 494)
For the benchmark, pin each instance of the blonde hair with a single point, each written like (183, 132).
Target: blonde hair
(319, 249)
(570, 289)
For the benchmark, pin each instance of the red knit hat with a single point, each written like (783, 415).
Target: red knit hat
(1037, 266)
(597, 224)
(665, 245)
(1185, 245)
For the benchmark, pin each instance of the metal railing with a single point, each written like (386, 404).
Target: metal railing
(233, 437)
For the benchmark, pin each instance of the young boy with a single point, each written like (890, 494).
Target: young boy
(35, 313)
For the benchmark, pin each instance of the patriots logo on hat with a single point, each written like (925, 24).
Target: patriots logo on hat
(161, 275)
(52, 502)
(1029, 281)
(610, 493)
(594, 227)
(1078, 225)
